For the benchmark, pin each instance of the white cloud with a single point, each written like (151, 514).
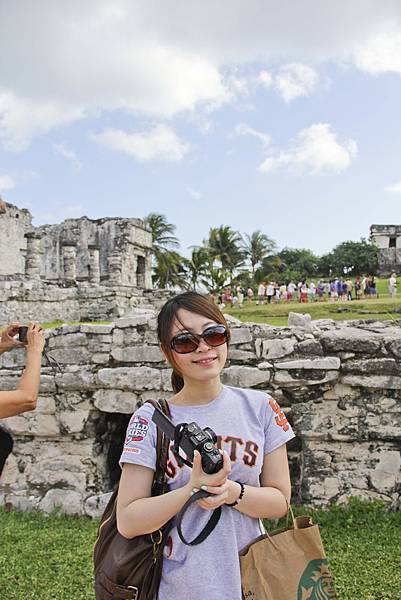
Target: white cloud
(394, 188)
(294, 80)
(265, 78)
(6, 183)
(68, 155)
(243, 129)
(194, 193)
(381, 54)
(313, 150)
(69, 60)
(159, 143)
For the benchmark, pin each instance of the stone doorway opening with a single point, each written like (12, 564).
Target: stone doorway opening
(110, 435)
(140, 272)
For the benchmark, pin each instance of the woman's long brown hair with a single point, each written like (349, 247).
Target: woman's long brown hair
(192, 301)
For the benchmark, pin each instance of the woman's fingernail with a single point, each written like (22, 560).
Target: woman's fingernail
(204, 488)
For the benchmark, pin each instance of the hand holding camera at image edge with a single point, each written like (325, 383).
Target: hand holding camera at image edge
(7, 340)
(24, 398)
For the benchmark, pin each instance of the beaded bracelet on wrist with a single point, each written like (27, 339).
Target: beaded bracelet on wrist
(240, 495)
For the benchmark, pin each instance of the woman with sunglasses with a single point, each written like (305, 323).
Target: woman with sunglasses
(251, 430)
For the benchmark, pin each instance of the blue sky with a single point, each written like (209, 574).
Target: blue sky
(283, 118)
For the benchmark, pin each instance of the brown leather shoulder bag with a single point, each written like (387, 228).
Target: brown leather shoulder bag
(130, 569)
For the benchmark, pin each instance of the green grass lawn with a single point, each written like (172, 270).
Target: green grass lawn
(50, 557)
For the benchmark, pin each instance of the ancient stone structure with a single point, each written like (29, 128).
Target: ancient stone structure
(80, 269)
(14, 224)
(339, 383)
(388, 239)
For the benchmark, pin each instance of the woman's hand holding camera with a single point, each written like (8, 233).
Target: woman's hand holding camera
(35, 339)
(24, 398)
(8, 341)
(217, 484)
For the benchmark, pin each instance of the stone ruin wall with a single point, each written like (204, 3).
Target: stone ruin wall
(43, 302)
(339, 384)
(14, 224)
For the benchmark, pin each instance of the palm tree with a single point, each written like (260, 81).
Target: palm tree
(162, 232)
(168, 265)
(169, 270)
(223, 245)
(257, 247)
(197, 265)
(216, 278)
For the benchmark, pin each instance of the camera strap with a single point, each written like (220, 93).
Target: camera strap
(210, 525)
(176, 446)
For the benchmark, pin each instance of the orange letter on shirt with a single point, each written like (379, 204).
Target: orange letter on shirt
(280, 418)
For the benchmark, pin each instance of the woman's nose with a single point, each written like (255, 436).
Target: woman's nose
(203, 347)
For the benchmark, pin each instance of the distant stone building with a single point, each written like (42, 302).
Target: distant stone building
(388, 239)
(112, 251)
(80, 269)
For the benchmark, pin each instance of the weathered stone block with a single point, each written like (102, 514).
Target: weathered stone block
(9, 474)
(324, 364)
(141, 319)
(387, 474)
(303, 321)
(94, 505)
(68, 340)
(74, 421)
(42, 425)
(388, 382)
(370, 366)
(277, 348)
(58, 471)
(46, 405)
(97, 329)
(240, 335)
(309, 347)
(78, 379)
(241, 355)
(351, 339)
(68, 501)
(286, 379)
(70, 355)
(166, 380)
(115, 401)
(247, 377)
(137, 354)
(130, 378)
(100, 358)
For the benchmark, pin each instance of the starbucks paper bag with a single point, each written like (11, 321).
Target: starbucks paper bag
(287, 564)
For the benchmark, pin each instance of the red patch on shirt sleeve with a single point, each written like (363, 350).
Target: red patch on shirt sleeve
(280, 417)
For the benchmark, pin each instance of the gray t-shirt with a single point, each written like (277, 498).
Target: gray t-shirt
(249, 424)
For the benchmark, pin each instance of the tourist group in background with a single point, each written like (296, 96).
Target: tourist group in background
(334, 290)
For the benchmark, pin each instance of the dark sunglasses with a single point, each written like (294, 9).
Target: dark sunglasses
(184, 343)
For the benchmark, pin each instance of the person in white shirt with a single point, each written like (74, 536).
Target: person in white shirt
(312, 291)
(283, 292)
(392, 285)
(261, 293)
(269, 292)
(290, 291)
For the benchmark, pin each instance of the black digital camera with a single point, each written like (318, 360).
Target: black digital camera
(191, 437)
(22, 333)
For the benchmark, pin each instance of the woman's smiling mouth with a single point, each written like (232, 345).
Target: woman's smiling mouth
(205, 361)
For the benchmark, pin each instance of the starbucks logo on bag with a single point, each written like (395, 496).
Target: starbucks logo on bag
(316, 582)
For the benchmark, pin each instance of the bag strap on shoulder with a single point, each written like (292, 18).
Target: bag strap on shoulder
(162, 446)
